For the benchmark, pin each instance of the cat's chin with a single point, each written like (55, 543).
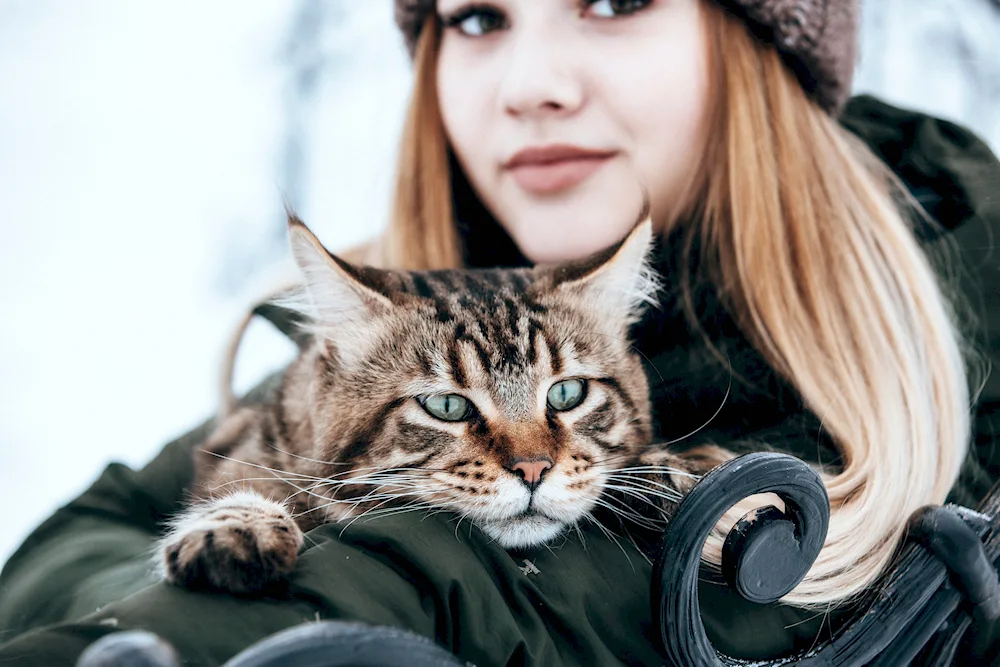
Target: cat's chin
(522, 531)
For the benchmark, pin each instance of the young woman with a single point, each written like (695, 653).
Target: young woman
(554, 111)
(807, 244)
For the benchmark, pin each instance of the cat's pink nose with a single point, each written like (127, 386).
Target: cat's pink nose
(531, 471)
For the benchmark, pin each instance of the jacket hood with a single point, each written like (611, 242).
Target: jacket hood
(951, 172)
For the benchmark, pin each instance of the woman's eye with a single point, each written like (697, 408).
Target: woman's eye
(476, 21)
(566, 395)
(609, 9)
(447, 407)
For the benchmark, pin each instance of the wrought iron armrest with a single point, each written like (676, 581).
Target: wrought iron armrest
(920, 616)
(322, 644)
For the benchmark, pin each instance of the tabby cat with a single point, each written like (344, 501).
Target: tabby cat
(510, 397)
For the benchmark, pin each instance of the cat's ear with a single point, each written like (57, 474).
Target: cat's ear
(343, 302)
(620, 280)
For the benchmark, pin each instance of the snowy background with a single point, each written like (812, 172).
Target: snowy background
(145, 148)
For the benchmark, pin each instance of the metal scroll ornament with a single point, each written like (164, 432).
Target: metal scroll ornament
(766, 555)
(939, 604)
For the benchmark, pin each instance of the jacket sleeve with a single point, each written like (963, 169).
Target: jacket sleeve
(109, 525)
(98, 547)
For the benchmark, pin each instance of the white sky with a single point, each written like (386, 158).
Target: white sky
(139, 146)
(139, 159)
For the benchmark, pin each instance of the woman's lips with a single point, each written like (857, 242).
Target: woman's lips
(553, 168)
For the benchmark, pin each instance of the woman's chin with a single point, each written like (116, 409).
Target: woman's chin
(568, 236)
(570, 227)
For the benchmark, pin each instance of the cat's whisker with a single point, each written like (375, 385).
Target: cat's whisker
(378, 470)
(644, 481)
(306, 458)
(725, 398)
(627, 513)
(381, 512)
(401, 492)
(628, 536)
(382, 484)
(662, 470)
(376, 512)
(624, 510)
(260, 466)
(611, 536)
(371, 497)
(671, 495)
(641, 494)
(635, 544)
(458, 524)
(579, 533)
(633, 348)
(373, 479)
(308, 490)
(379, 475)
(241, 480)
(330, 503)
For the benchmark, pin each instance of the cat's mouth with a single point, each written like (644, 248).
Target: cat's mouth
(528, 514)
(525, 529)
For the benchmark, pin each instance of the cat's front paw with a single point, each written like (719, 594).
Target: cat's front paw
(242, 543)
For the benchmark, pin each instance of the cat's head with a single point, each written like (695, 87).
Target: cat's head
(505, 396)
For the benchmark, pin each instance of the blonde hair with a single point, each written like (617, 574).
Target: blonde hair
(421, 233)
(809, 251)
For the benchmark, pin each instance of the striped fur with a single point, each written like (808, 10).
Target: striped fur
(346, 435)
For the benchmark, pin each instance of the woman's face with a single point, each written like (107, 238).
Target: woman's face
(561, 111)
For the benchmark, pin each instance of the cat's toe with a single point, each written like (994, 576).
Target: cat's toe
(229, 552)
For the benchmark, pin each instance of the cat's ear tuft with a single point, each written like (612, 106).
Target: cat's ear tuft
(337, 298)
(619, 280)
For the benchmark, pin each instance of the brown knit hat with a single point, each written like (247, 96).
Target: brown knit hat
(816, 38)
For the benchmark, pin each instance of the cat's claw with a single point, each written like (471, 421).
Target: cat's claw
(243, 543)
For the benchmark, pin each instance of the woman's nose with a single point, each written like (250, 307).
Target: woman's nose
(540, 79)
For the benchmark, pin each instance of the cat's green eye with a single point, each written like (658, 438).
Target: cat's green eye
(447, 407)
(567, 394)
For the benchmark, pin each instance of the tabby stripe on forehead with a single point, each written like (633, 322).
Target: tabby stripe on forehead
(455, 361)
(422, 286)
(462, 334)
(444, 314)
(478, 283)
(554, 356)
(518, 280)
(534, 328)
(531, 304)
(424, 359)
(582, 346)
(448, 281)
(513, 316)
(483, 328)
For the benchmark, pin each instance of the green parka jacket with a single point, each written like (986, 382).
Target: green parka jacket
(87, 571)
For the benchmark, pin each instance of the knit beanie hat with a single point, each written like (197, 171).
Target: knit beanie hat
(816, 38)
